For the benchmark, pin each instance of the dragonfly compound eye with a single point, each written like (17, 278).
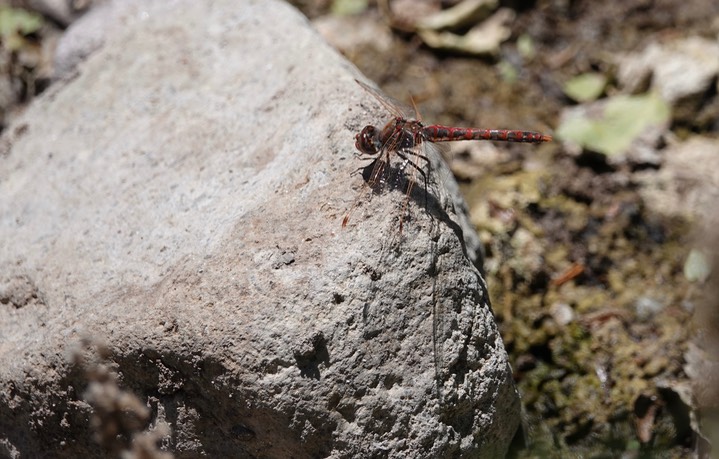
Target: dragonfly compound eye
(365, 141)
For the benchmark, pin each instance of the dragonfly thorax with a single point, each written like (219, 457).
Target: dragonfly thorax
(398, 134)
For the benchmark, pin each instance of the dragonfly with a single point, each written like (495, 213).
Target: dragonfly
(407, 138)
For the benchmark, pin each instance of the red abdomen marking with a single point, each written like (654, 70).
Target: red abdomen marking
(437, 133)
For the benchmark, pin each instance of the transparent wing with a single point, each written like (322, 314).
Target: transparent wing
(395, 107)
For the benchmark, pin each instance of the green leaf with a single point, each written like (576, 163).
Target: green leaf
(14, 20)
(525, 46)
(585, 87)
(619, 121)
(14, 24)
(507, 72)
(348, 7)
(697, 266)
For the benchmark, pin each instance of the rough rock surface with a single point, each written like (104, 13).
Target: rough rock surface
(181, 198)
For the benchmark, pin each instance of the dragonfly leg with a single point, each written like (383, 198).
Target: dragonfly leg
(402, 154)
(361, 170)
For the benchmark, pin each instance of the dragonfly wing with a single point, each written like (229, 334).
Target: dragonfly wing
(396, 108)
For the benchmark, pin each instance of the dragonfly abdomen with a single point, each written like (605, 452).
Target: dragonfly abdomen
(439, 133)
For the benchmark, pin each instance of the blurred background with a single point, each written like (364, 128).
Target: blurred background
(599, 247)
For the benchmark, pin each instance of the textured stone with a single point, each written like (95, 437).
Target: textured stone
(181, 199)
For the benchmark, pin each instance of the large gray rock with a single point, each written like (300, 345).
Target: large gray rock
(181, 198)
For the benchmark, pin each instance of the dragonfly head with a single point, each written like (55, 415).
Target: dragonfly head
(367, 141)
